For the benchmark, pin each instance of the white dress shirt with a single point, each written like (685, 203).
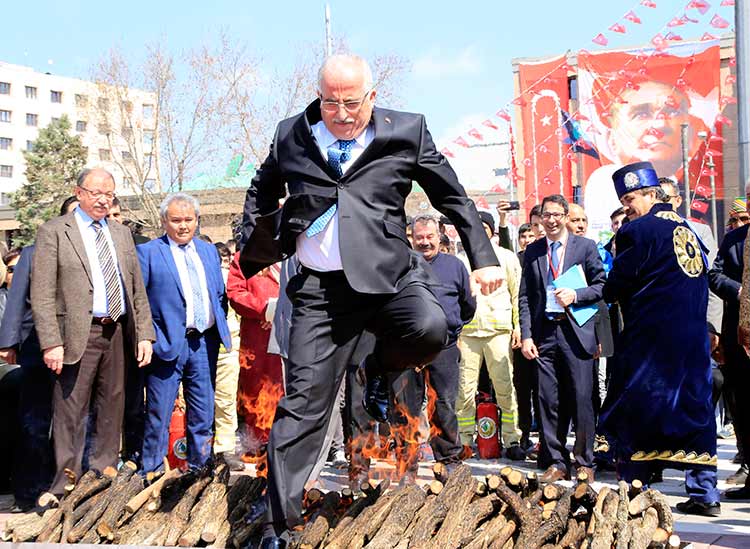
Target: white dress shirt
(321, 252)
(88, 234)
(178, 253)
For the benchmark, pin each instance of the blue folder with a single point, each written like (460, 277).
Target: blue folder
(574, 278)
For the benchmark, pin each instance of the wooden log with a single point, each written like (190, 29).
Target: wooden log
(91, 483)
(401, 514)
(238, 489)
(532, 482)
(622, 528)
(143, 496)
(249, 525)
(28, 527)
(585, 495)
(480, 489)
(120, 495)
(548, 508)
(180, 514)
(317, 528)
(91, 537)
(50, 524)
(215, 521)
(423, 512)
(504, 537)
(516, 480)
(573, 535)
(604, 493)
(440, 472)
(673, 542)
(92, 516)
(456, 485)
(47, 499)
(493, 481)
(479, 510)
(636, 487)
(72, 478)
(653, 498)
(552, 492)
(435, 487)
(248, 499)
(583, 477)
(56, 534)
(487, 532)
(222, 536)
(642, 529)
(660, 537)
(201, 512)
(353, 535)
(313, 497)
(376, 519)
(450, 533)
(606, 522)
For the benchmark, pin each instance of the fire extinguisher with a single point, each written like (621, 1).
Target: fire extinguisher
(177, 455)
(488, 443)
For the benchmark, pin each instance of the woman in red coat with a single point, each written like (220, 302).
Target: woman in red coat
(261, 382)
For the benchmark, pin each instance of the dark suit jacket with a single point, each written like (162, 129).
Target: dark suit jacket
(62, 292)
(167, 300)
(375, 252)
(17, 323)
(725, 279)
(533, 294)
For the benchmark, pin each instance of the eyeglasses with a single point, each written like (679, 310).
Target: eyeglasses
(553, 215)
(11, 268)
(96, 195)
(329, 105)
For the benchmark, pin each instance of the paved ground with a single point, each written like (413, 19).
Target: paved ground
(730, 530)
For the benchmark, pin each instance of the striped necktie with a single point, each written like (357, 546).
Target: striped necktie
(109, 272)
(336, 156)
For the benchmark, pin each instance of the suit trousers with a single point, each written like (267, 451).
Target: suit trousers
(566, 384)
(35, 459)
(196, 369)
(225, 402)
(328, 318)
(525, 383)
(496, 352)
(135, 412)
(101, 368)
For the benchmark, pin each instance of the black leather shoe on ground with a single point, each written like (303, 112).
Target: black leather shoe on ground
(375, 394)
(743, 492)
(272, 543)
(693, 507)
(515, 452)
(233, 462)
(739, 477)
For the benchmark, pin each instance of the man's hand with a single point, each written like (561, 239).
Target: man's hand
(265, 325)
(502, 212)
(713, 341)
(565, 296)
(144, 353)
(529, 350)
(598, 352)
(486, 280)
(515, 339)
(8, 355)
(53, 358)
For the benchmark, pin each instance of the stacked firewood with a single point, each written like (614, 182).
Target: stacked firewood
(504, 511)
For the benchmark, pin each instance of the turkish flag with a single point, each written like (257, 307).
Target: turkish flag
(701, 189)
(542, 116)
(461, 141)
(617, 27)
(632, 17)
(475, 134)
(699, 206)
(718, 22)
(447, 152)
(490, 124)
(502, 113)
(482, 203)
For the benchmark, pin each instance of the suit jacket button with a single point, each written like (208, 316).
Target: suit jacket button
(342, 186)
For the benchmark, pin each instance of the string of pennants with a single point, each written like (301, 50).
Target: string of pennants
(692, 13)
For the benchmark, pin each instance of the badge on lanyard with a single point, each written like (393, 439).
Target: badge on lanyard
(552, 305)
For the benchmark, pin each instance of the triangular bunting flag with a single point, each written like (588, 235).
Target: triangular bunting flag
(461, 141)
(490, 124)
(600, 39)
(718, 22)
(617, 27)
(475, 134)
(446, 152)
(632, 17)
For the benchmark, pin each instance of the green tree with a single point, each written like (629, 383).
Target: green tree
(56, 159)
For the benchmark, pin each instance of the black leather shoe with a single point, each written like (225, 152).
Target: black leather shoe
(233, 462)
(693, 507)
(515, 452)
(272, 542)
(375, 394)
(739, 477)
(743, 492)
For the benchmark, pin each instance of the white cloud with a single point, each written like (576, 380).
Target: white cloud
(437, 63)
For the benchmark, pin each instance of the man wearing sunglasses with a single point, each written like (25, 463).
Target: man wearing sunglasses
(348, 167)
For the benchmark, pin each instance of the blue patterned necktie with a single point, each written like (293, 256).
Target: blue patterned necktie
(555, 262)
(199, 310)
(336, 156)
(109, 273)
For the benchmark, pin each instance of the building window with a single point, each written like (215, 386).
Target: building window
(148, 138)
(4, 116)
(80, 125)
(105, 155)
(81, 100)
(6, 143)
(127, 182)
(4, 88)
(55, 120)
(126, 156)
(30, 92)
(148, 111)
(29, 146)
(103, 103)
(32, 119)
(150, 185)
(5, 199)
(6, 171)
(55, 96)
(148, 159)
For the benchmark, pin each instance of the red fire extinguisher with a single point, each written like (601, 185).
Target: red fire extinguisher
(488, 443)
(177, 455)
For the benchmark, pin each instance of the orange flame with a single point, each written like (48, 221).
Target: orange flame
(260, 409)
(431, 404)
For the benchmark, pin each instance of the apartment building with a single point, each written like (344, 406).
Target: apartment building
(116, 125)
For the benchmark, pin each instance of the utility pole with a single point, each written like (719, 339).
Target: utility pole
(742, 55)
(329, 37)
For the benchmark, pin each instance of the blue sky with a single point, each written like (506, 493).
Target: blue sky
(461, 51)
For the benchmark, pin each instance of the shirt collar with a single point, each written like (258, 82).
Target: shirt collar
(172, 244)
(563, 240)
(325, 138)
(87, 219)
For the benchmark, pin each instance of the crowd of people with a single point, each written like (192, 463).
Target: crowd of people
(343, 331)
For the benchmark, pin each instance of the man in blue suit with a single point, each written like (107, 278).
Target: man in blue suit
(563, 350)
(186, 291)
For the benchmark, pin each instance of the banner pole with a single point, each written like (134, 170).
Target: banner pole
(685, 166)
